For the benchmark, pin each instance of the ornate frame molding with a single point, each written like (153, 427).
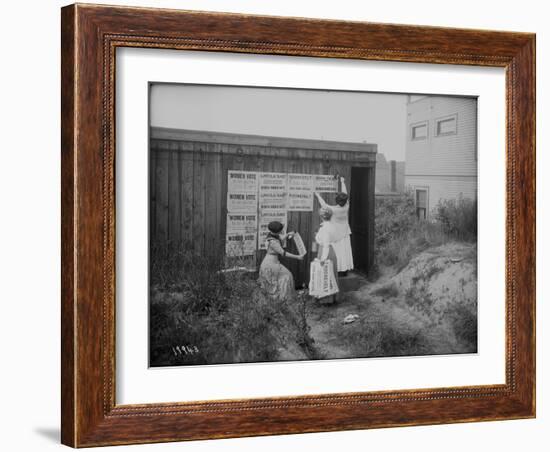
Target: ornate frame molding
(90, 37)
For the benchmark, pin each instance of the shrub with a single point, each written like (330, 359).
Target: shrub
(400, 235)
(458, 218)
(394, 216)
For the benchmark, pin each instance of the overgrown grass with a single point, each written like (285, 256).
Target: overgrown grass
(381, 337)
(462, 316)
(400, 235)
(458, 218)
(201, 315)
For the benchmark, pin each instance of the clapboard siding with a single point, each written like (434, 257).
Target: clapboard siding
(453, 155)
(446, 187)
(446, 164)
(188, 183)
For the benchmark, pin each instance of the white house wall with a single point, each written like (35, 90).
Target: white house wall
(447, 187)
(446, 165)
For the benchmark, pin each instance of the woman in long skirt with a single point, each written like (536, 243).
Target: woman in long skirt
(274, 278)
(342, 231)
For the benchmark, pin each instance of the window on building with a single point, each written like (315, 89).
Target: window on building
(419, 131)
(421, 203)
(445, 126)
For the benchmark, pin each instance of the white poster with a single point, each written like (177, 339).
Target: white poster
(272, 205)
(240, 244)
(300, 192)
(242, 222)
(242, 181)
(273, 188)
(325, 184)
(242, 202)
(266, 217)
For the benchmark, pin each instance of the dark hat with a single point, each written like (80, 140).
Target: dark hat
(275, 227)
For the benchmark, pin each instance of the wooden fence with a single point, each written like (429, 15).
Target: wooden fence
(188, 185)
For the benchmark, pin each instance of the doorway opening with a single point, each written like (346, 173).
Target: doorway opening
(360, 216)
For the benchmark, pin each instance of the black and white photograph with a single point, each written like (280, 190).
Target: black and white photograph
(297, 224)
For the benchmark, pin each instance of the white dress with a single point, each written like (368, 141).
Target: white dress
(342, 233)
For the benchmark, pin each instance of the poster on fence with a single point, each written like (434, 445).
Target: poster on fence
(239, 244)
(242, 202)
(300, 192)
(242, 181)
(242, 222)
(266, 217)
(325, 184)
(273, 188)
(272, 205)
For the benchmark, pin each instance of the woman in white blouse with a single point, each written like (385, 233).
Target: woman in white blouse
(341, 230)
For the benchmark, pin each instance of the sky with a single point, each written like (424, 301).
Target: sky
(295, 113)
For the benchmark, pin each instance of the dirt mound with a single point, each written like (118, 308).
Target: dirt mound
(429, 307)
(446, 273)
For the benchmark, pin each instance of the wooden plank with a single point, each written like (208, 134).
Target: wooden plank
(186, 165)
(152, 195)
(161, 200)
(199, 186)
(228, 162)
(174, 203)
(213, 182)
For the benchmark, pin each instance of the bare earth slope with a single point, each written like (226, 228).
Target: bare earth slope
(430, 307)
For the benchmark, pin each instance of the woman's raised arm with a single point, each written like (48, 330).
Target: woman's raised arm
(321, 200)
(344, 189)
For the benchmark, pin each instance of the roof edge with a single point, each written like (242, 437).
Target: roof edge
(205, 136)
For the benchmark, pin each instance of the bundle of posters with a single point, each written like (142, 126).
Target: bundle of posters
(299, 243)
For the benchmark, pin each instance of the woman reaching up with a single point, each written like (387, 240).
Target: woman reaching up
(341, 229)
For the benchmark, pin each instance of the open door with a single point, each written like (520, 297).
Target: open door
(361, 217)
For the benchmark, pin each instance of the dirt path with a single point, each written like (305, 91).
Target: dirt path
(409, 313)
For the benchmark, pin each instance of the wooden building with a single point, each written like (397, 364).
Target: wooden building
(188, 187)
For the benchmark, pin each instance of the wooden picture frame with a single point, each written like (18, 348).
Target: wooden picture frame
(90, 35)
